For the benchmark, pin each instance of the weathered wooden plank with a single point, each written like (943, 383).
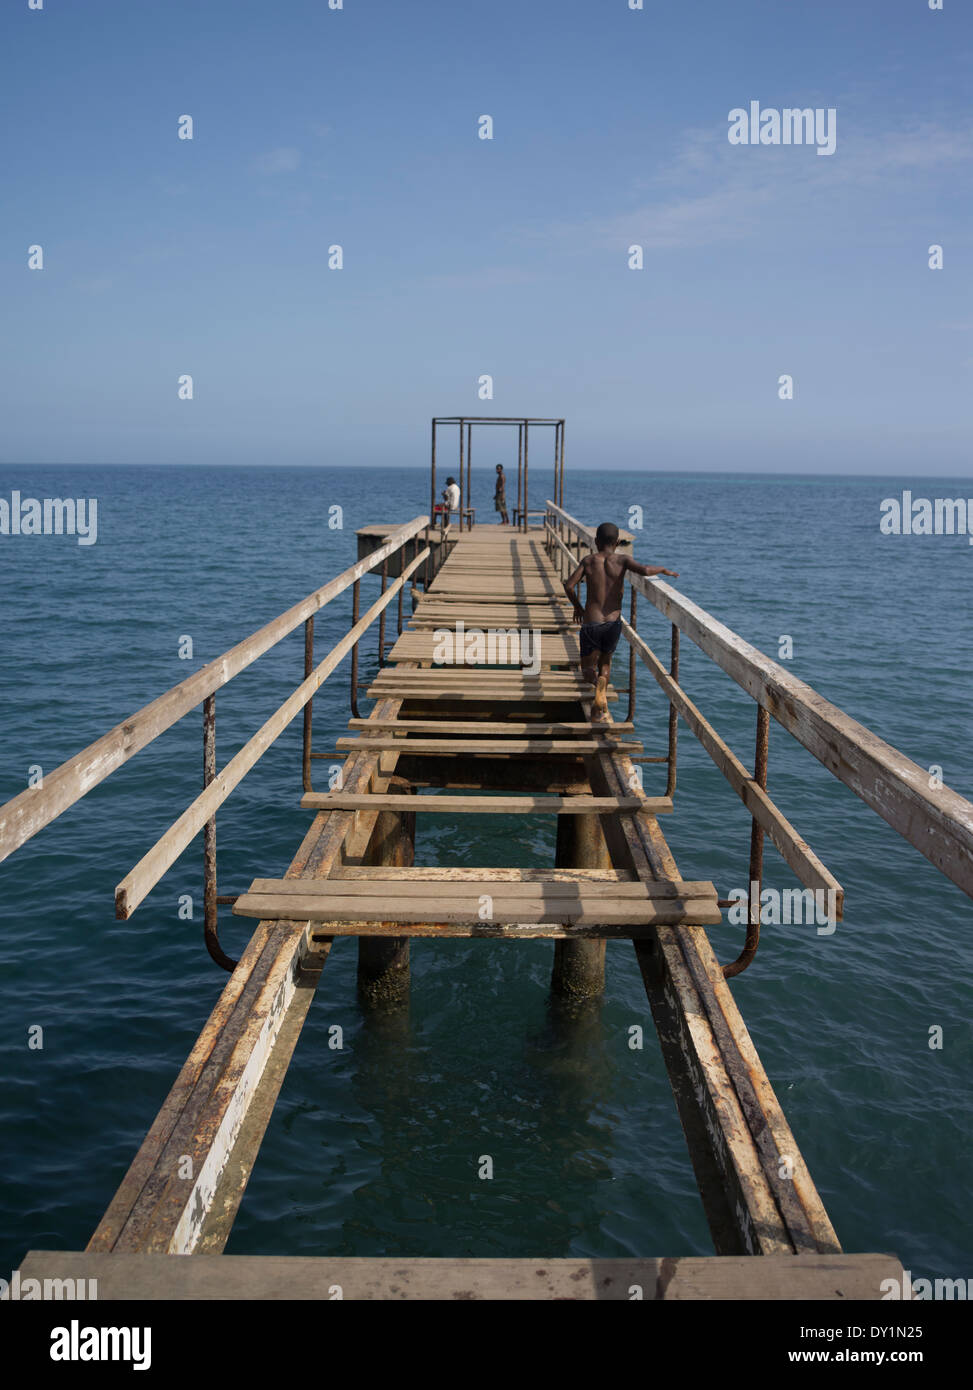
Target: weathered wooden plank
(24, 815)
(474, 647)
(155, 1208)
(400, 884)
(364, 917)
(484, 690)
(445, 678)
(936, 820)
(541, 728)
(255, 1278)
(794, 850)
(483, 678)
(488, 805)
(462, 873)
(739, 1140)
(533, 747)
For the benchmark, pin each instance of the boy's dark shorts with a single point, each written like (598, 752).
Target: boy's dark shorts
(600, 637)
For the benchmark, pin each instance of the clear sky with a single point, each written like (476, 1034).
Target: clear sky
(509, 257)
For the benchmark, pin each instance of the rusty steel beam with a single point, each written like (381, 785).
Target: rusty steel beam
(739, 1141)
(165, 1204)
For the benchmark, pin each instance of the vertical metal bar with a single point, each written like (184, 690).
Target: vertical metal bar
(524, 513)
(560, 500)
(432, 479)
(632, 619)
(381, 616)
(673, 715)
(557, 436)
(462, 499)
(405, 565)
(469, 458)
(520, 469)
(756, 852)
(308, 668)
(354, 650)
(210, 906)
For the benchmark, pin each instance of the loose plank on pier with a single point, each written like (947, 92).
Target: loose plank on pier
(489, 727)
(482, 690)
(486, 805)
(481, 679)
(840, 1278)
(427, 621)
(351, 907)
(465, 874)
(391, 885)
(440, 747)
(550, 647)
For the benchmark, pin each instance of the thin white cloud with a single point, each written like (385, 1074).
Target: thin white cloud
(283, 160)
(486, 278)
(711, 191)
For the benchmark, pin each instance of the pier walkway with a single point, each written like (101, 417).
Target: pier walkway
(507, 702)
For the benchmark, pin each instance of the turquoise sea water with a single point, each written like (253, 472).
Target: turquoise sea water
(374, 1149)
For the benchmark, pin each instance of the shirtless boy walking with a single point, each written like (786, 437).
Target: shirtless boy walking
(601, 616)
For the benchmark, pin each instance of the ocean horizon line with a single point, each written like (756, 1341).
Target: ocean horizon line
(720, 473)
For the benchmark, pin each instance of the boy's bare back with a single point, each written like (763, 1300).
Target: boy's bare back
(604, 574)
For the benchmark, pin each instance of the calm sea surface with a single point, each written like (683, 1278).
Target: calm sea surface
(374, 1149)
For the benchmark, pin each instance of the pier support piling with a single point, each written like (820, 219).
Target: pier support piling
(579, 966)
(383, 962)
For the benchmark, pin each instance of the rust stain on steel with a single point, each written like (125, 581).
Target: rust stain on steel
(733, 1096)
(745, 957)
(151, 1201)
(210, 903)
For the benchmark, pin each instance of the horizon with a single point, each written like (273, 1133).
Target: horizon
(718, 473)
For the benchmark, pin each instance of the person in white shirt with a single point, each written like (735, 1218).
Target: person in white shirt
(450, 499)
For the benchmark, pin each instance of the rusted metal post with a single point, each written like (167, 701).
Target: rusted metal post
(632, 621)
(383, 961)
(432, 479)
(308, 668)
(523, 514)
(673, 716)
(381, 616)
(560, 499)
(557, 436)
(469, 458)
(405, 565)
(355, 598)
(462, 489)
(210, 905)
(756, 853)
(520, 470)
(579, 966)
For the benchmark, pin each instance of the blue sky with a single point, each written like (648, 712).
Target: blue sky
(463, 256)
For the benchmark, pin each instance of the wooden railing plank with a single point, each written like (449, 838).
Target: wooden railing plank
(794, 850)
(935, 820)
(27, 813)
(167, 849)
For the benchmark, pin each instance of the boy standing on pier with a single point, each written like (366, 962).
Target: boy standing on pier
(500, 496)
(601, 617)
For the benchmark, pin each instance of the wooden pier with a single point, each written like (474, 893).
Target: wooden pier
(461, 727)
